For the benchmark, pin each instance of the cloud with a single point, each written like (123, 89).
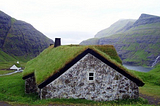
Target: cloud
(70, 37)
(89, 16)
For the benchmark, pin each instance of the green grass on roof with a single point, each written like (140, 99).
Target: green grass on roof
(51, 60)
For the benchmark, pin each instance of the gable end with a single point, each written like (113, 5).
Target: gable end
(137, 81)
(80, 56)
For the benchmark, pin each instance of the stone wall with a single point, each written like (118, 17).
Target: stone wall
(108, 84)
(30, 85)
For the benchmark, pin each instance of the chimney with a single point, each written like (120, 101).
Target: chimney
(51, 44)
(57, 42)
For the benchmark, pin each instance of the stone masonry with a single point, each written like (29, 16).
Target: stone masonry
(108, 84)
(30, 85)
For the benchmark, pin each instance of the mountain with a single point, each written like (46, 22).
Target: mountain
(146, 19)
(117, 27)
(138, 44)
(20, 39)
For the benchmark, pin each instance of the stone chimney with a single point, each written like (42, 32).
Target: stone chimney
(57, 42)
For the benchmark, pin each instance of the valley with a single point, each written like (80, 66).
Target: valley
(136, 43)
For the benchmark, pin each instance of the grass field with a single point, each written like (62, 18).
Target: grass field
(7, 65)
(5, 71)
(152, 82)
(12, 90)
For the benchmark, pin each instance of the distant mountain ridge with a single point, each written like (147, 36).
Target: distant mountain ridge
(146, 19)
(20, 39)
(137, 43)
(117, 27)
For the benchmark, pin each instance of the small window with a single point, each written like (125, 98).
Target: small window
(91, 76)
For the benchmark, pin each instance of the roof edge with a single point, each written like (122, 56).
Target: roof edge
(76, 59)
(29, 75)
(136, 80)
(62, 70)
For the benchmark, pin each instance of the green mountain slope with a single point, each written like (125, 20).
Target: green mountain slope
(139, 45)
(92, 41)
(4, 57)
(117, 27)
(20, 39)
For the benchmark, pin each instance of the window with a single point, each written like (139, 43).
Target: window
(91, 76)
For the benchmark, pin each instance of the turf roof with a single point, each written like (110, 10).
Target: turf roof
(52, 60)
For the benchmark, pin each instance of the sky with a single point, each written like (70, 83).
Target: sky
(76, 20)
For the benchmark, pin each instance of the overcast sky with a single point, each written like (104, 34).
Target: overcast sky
(76, 20)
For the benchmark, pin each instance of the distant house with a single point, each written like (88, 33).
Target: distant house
(87, 72)
(14, 67)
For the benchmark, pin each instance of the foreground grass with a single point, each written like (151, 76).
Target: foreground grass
(152, 82)
(150, 90)
(12, 90)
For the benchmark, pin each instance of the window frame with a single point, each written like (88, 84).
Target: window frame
(91, 76)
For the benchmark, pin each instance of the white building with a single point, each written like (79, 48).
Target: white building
(14, 67)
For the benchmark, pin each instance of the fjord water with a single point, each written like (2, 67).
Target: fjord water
(137, 68)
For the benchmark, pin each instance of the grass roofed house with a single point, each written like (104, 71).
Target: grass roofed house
(74, 71)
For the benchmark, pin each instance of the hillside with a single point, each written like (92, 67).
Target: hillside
(139, 44)
(20, 39)
(117, 27)
(4, 57)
